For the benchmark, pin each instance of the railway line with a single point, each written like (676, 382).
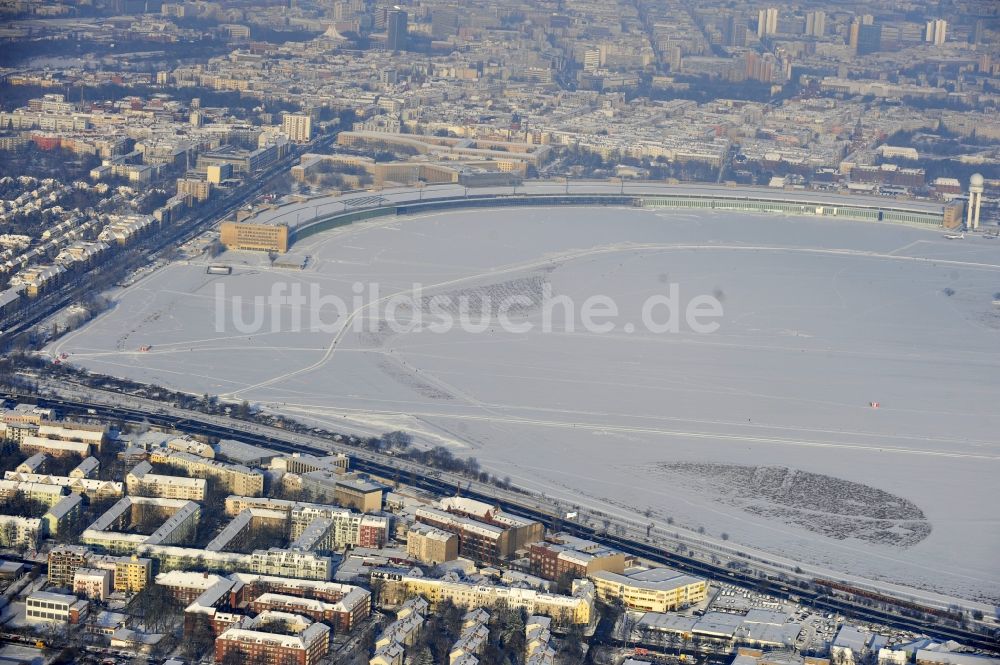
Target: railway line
(47, 305)
(819, 596)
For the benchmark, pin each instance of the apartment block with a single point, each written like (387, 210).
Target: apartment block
(197, 188)
(34, 464)
(186, 586)
(114, 531)
(342, 614)
(573, 557)
(92, 488)
(95, 435)
(431, 545)
(128, 573)
(141, 481)
(289, 563)
(521, 531)
(477, 541)
(235, 504)
(47, 495)
(64, 561)
(297, 127)
(87, 468)
(344, 605)
(18, 431)
(484, 532)
(344, 490)
(64, 514)
(347, 528)
(242, 528)
(402, 633)
(54, 447)
(92, 583)
(186, 445)
(26, 414)
(234, 478)
(307, 642)
(360, 494)
(577, 608)
(18, 531)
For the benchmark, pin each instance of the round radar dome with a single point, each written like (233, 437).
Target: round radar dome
(976, 180)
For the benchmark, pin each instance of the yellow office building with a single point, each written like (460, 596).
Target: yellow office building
(254, 237)
(654, 590)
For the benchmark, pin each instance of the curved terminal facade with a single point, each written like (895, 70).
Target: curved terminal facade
(318, 215)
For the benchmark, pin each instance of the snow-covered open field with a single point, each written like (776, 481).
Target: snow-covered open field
(762, 430)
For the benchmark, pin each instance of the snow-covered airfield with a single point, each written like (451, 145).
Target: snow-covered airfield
(763, 430)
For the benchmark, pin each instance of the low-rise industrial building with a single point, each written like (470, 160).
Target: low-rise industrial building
(758, 628)
(43, 606)
(302, 462)
(941, 657)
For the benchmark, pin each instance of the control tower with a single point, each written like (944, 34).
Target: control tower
(975, 202)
